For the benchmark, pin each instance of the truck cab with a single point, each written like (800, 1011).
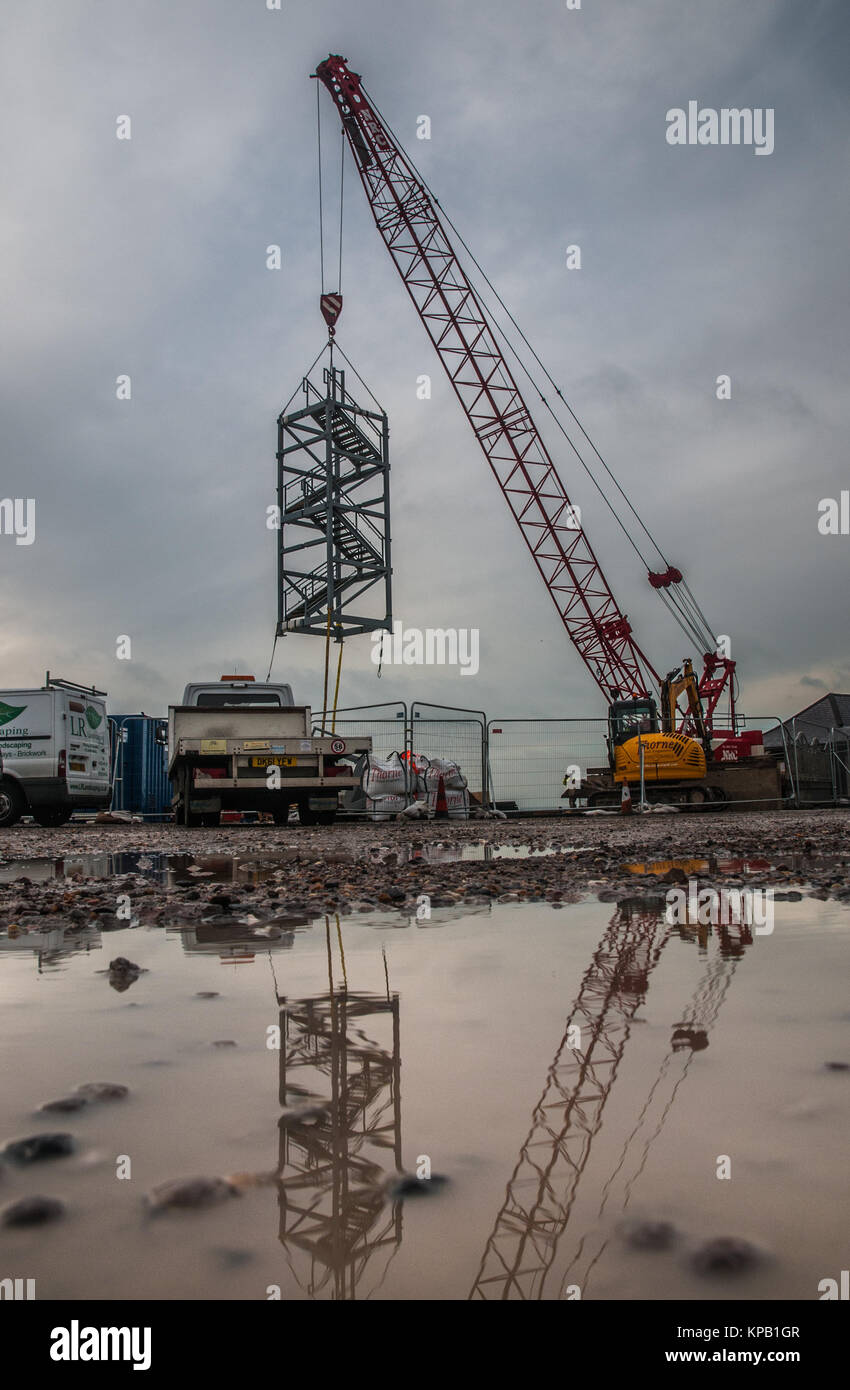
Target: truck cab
(238, 692)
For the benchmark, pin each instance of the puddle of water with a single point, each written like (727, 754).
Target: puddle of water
(799, 864)
(456, 1048)
(169, 869)
(700, 866)
(154, 865)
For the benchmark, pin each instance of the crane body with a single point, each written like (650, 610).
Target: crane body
(409, 221)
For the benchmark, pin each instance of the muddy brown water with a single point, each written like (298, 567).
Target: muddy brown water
(443, 1042)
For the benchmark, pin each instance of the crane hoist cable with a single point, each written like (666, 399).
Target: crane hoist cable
(341, 200)
(321, 197)
(350, 364)
(327, 664)
(341, 640)
(321, 210)
(687, 611)
(679, 611)
(271, 662)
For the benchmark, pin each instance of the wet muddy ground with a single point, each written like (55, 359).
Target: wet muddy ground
(232, 1058)
(359, 866)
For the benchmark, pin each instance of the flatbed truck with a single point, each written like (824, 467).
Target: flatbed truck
(242, 745)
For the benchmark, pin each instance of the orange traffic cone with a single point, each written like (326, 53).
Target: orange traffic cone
(626, 801)
(441, 809)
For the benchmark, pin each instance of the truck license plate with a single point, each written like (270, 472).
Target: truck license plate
(276, 759)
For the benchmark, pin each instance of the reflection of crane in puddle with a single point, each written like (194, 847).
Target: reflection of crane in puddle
(539, 1199)
(331, 1181)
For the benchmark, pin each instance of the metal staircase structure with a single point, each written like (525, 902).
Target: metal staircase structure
(334, 509)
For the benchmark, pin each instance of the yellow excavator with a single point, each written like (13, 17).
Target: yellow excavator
(675, 765)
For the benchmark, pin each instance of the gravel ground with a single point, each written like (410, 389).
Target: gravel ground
(368, 867)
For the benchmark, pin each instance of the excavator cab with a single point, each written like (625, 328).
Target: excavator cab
(627, 719)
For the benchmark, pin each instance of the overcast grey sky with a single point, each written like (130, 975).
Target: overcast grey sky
(147, 257)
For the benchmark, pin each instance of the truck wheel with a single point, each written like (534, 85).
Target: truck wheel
(325, 817)
(281, 817)
(53, 815)
(11, 802)
(210, 818)
(184, 815)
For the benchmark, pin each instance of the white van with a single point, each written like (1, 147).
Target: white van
(55, 749)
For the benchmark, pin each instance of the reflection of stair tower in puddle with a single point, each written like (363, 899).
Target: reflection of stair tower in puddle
(334, 500)
(332, 1206)
(523, 1245)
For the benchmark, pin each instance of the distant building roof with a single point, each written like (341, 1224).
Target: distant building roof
(826, 719)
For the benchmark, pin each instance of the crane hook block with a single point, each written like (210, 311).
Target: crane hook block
(331, 307)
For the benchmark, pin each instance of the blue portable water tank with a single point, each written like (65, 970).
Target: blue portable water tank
(140, 765)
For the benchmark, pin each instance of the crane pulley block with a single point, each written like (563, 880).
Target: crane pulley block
(665, 578)
(331, 307)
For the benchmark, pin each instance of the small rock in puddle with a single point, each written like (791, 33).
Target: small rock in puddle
(123, 973)
(40, 1146)
(32, 1211)
(84, 1095)
(103, 1090)
(648, 1235)
(837, 1066)
(726, 1255)
(207, 994)
(408, 1185)
(189, 1194)
(224, 1042)
(65, 1104)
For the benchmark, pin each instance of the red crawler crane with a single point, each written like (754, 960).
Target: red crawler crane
(407, 218)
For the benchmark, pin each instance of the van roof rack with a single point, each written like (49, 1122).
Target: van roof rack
(54, 683)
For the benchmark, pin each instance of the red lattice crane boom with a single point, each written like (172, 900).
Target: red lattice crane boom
(407, 218)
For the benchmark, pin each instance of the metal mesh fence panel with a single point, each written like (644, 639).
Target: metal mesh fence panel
(522, 763)
(457, 740)
(385, 724)
(529, 758)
